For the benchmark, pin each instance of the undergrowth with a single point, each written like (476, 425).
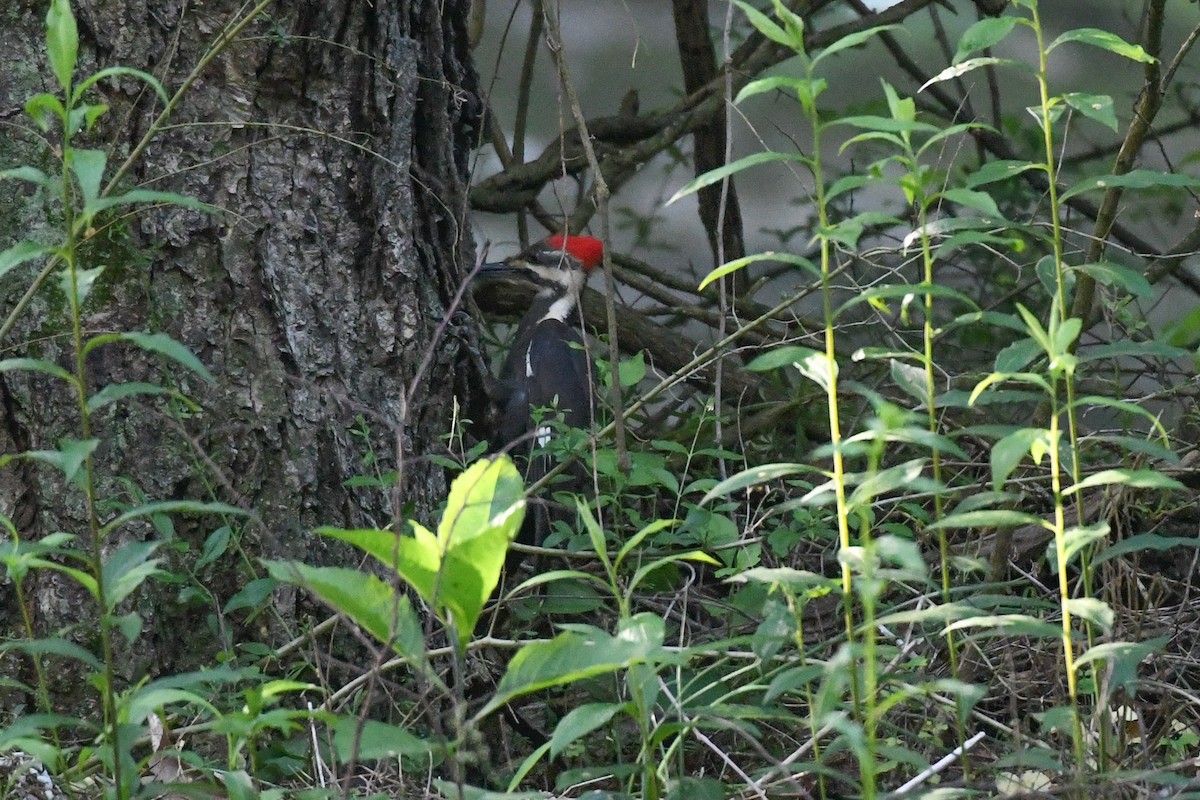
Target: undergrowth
(816, 625)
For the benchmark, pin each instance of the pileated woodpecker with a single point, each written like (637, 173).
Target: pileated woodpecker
(547, 366)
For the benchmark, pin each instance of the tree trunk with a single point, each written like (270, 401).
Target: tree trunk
(334, 136)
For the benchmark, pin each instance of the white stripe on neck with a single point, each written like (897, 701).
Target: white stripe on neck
(559, 309)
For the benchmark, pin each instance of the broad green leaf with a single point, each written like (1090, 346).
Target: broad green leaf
(88, 166)
(767, 27)
(1134, 179)
(371, 740)
(1137, 478)
(1121, 660)
(141, 197)
(1105, 40)
(582, 651)
(172, 507)
(53, 647)
(719, 174)
(1007, 625)
(1077, 538)
(1010, 451)
(68, 458)
(77, 284)
(906, 290)
(885, 124)
(150, 699)
(366, 600)
(37, 365)
(782, 356)
(159, 343)
(1145, 541)
(849, 183)
(126, 569)
(1000, 170)
(632, 370)
(909, 378)
(1017, 356)
(29, 174)
(43, 109)
(979, 201)
(755, 476)
(773, 83)
(62, 41)
(1185, 331)
(852, 40)
(252, 596)
(971, 64)
(994, 518)
(983, 34)
(1129, 347)
(1098, 107)
(1119, 276)
(115, 392)
(581, 721)
(770, 255)
(21, 252)
(1094, 611)
(122, 72)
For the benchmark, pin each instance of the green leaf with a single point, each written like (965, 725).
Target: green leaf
(1010, 451)
(579, 722)
(371, 740)
(126, 569)
(253, 595)
(767, 27)
(979, 201)
(1000, 170)
(580, 652)
(971, 64)
(1145, 541)
(1137, 478)
(811, 363)
(172, 507)
(1105, 40)
(755, 476)
(159, 343)
(216, 544)
(1008, 625)
(1076, 538)
(29, 174)
(1119, 276)
(852, 40)
(119, 72)
(1122, 660)
(720, 173)
(983, 34)
(53, 647)
(77, 284)
(142, 197)
(115, 392)
(37, 365)
(88, 166)
(21, 252)
(1094, 611)
(62, 41)
(993, 518)
(68, 458)
(773, 83)
(1098, 107)
(366, 600)
(770, 255)
(632, 370)
(1134, 179)
(41, 108)
(1129, 347)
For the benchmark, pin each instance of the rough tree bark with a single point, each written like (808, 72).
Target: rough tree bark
(335, 135)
